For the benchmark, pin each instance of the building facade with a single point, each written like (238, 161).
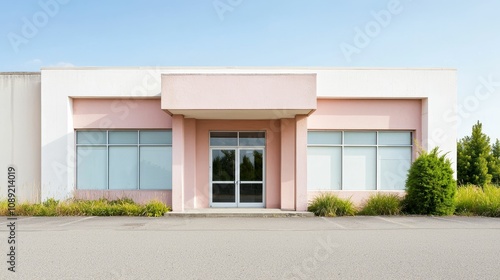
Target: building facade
(234, 137)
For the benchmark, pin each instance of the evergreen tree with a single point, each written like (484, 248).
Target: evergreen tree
(463, 160)
(473, 156)
(494, 163)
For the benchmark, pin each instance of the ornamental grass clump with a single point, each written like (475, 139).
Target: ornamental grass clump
(382, 204)
(329, 205)
(472, 200)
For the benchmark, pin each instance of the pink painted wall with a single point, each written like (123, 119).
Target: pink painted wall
(238, 91)
(119, 113)
(273, 143)
(375, 114)
(139, 196)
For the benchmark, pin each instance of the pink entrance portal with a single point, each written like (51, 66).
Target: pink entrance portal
(275, 104)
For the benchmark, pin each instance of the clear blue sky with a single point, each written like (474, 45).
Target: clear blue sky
(426, 33)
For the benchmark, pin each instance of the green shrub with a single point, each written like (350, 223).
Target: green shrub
(155, 208)
(430, 187)
(330, 205)
(382, 204)
(473, 200)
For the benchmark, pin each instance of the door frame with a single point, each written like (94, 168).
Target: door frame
(237, 183)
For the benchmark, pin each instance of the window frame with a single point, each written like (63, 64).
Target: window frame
(107, 146)
(377, 145)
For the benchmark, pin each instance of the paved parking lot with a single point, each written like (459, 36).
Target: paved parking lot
(254, 248)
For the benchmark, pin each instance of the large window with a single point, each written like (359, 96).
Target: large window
(358, 160)
(124, 160)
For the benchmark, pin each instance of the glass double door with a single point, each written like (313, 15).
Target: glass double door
(237, 177)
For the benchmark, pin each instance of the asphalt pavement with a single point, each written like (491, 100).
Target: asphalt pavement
(403, 247)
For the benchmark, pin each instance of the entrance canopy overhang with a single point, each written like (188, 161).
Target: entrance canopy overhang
(238, 96)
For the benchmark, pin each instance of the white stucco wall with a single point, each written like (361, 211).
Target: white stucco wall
(436, 86)
(20, 133)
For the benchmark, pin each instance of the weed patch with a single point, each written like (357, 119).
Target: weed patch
(101, 207)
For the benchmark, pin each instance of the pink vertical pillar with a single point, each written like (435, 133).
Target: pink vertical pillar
(178, 163)
(287, 164)
(189, 163)
(424, 135)
(301, 163)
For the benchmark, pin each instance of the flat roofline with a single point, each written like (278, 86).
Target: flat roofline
(242, 68)
(20, 73)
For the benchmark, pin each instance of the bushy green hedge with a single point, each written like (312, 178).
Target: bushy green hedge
(330, 205)
(474, 200)
(382, 204)
(430, 187)
(101, 207)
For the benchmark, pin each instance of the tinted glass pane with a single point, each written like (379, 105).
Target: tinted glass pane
(223, 193)
(123, 168)
(156, 137)
(394, 163)
(324, 168)
(122, 137)
(155, 167)
(91, 137)
(394, 138)
(360, 138)
(324, 137)
(91, 168)
(251, 165)
(252, 138)
(359, 168)
(250, 193)
(223, 165)
(223, 139)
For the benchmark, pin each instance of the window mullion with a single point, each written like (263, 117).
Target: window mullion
(377, 187)
(107, 159)
(138, 161)
(342, 163)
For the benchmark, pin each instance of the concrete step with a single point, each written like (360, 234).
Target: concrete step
(239, 212)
